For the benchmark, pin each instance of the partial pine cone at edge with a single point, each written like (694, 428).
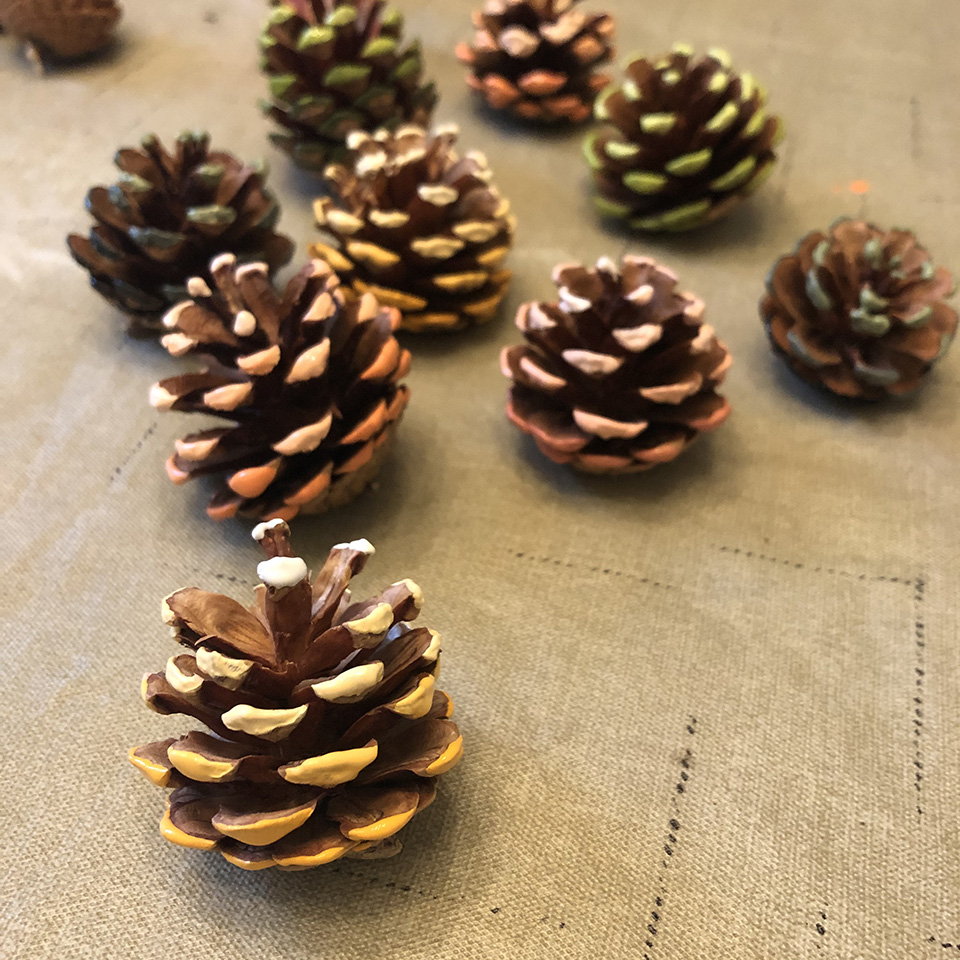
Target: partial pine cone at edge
(63, 29)
(621, 373)
(686, 140)
(327, 729)
(860, 310)
(309, 380)
(539, 59)
(420, 227)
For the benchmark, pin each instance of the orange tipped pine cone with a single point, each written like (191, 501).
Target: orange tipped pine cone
(166, 217)
(420, 227)
(309, 379)
(859, 310)
(336, 66)
(327, 730)
(538, 59)
(686, 140)
(62, 28)
(621, 373)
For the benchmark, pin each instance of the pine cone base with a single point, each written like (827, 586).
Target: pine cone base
(61, 29)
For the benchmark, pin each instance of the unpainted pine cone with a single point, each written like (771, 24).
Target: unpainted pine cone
(859, 310)
(336, 66)
(686, 140)
(538, 59)
(327, 729)
(621, 373)
(168, 214)
(67, 29)
(309, 379)
(419, 226)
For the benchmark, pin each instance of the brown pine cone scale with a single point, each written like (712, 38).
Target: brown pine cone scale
(859, 310)
(67, 29)
(621, 373)
(328, 731)
(538, 58)
(309, 379)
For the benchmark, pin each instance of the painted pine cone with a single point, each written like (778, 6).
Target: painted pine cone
(538, 58)
(328, 731)
(166, 217)
(859, 310)
(687, 140)
(621, 374)
(63, 28)
(335, 67)
(420, 227)
(310, 380)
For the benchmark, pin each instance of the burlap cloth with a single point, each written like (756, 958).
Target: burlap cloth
(711, 712)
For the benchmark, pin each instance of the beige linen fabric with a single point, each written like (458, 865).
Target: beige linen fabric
(709, 712)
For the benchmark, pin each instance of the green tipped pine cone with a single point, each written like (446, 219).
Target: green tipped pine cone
(420, 227)
(336, 67)
(619, 375)
(62, 28)
(166, 217)
(309, 379)
(328, 732)
(687, 140)
(538, 58)
(859, 310)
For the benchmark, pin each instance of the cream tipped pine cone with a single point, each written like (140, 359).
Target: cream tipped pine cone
(539, 58)
(64, 28)
(327, 730)
(859, 310)
(686, 140)
(621, 373)
(336, 66)
(420, 227)
(169, 213)
(309, 379)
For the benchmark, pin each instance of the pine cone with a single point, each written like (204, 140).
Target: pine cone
(689, 139)
(166, 217)
(419, 227)
(335, 67)
(859, 310)
(537, 58)
(328, 729)
(63, 28)
(310, 381)
(621, 374)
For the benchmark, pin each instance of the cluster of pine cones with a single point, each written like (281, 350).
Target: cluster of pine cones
(327, 729)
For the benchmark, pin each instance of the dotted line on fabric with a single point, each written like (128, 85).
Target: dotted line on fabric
(799, 565)
(672, 841)
(149, 433)
(919, 677)
(943, 943)
(607, 571)
(821, 926)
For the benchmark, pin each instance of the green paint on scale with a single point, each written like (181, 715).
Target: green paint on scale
(644, 181)
(689, 164)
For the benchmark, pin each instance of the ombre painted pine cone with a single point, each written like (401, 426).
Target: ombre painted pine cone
(327, 730)
(621, 373)
(859, 310)
(420, 227)
(65, 29)
(686, 140)
(167, 216)
(335, 67)
(539, 59)
(309, 379)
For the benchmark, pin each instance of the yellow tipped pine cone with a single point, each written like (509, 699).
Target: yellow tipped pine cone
(686, 140)
(538, 59)
(327, 730)
(420, 227)
(859, 310)
(310, 380)
(621, 373)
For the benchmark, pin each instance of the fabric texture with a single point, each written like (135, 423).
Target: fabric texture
(709, 711)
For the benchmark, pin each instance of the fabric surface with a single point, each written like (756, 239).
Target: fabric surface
(709, 711)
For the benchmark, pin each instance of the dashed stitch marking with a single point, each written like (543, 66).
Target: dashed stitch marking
(607, 571)
(919, 677)
(946, 945)
(149, 433)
